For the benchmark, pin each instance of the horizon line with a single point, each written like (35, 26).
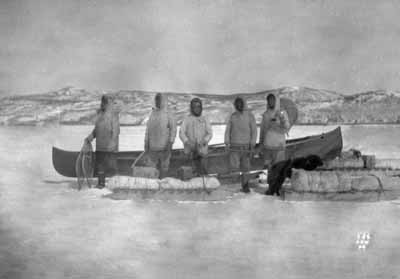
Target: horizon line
(294, 88)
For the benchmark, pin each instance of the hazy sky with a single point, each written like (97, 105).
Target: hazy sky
(217, 46)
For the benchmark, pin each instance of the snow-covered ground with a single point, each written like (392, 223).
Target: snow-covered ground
(48, 230)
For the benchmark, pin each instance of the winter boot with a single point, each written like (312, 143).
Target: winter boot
(245, 184)
(102, 180)
(269, 193)
(245, 188)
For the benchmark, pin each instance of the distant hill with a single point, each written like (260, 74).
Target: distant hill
(78, 106)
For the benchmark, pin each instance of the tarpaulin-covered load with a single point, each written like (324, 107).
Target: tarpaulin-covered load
(333, 181)
(351, 159)
(341, 185)
(388, 164)
(344, 163)
(194, 183)
(130, 182)
(140, 183)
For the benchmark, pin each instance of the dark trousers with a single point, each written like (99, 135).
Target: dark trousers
(106, 165)
(239, 160)
(199, 162)
(159, 160)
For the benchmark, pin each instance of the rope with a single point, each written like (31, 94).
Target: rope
(82, 173)
(85, 171)
(78, 168)
(137, 159)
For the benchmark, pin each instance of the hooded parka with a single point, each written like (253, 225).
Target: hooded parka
(160, 128)
(195, 133)
(241, 128)
(106, 130)
(274, 125)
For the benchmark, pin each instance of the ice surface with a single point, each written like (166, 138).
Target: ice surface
(49, 230)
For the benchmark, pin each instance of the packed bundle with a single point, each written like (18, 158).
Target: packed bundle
(129, 182)
(345, 163)
(333, 181)
(351, 159)
(168, 183)
(392, 164)
(192, 184)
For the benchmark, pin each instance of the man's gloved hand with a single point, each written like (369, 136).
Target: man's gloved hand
(88, 139)
(203, 142)
(281, 115)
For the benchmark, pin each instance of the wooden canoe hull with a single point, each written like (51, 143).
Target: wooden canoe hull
(327, 146)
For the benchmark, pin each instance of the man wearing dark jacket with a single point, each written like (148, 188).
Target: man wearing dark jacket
(160, 135)
(274, 126)
(240, 139)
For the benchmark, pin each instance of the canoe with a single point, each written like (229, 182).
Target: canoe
(326, 145)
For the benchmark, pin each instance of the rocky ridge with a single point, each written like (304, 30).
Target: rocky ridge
(74, 106)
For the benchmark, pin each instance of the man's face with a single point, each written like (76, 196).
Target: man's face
(116, 105)
(239, 105)
(196, 108)
(271, 102)
(158, 101)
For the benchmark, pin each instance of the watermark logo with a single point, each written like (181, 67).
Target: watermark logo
(363, 239)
